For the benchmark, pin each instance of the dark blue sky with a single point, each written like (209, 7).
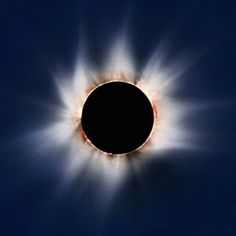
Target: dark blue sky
(183, 193)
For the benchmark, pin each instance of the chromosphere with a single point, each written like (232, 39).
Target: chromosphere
(117, 117)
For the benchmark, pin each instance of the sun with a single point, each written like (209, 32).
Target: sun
(117, 118)
(156, 81)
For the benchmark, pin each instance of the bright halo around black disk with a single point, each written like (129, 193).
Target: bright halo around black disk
(117, 118)
(110, 115)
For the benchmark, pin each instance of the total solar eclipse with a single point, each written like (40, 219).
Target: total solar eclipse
(117, 117)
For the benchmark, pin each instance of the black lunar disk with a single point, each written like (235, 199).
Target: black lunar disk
(117, 117)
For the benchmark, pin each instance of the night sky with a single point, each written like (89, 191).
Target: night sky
(185, 192)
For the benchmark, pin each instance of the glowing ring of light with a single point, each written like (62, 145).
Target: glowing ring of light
(137, 125)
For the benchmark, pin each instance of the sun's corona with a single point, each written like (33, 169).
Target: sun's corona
(116, 111)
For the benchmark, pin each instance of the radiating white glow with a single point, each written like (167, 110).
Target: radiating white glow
(158, 82)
